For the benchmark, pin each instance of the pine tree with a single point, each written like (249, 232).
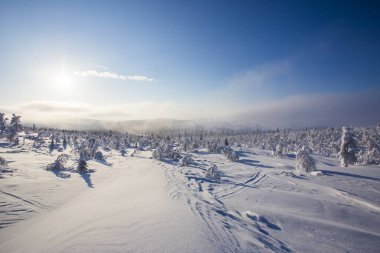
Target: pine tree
(64, 142)
(226, 142)
(51, 144)
(82, 166)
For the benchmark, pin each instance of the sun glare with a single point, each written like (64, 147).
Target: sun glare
(63, 80)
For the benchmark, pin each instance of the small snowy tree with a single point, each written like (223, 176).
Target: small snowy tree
(279, 150)
(347, 148)
(186, 160)
(64, 142)
(157, 154)
(82, 166)
(3, 121)
(59, 163)
(3, 163)
(16, 123)
(233, 156)
(213, 173)
(304, 162)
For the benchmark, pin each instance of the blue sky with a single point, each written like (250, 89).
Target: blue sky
(186, 54)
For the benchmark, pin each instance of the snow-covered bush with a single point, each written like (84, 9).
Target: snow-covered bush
(279, 150)
(226, 150)
(230, 154)
(366, 157)
(186, 160)
(213, 173)
(59, 163)
(214, 148)
(304, 162)
(233, 156)
(99, 156)
(157, 154)
(347, 148)
(165, 151)
(3, 163)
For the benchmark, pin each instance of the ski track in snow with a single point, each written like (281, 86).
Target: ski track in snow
(225, 224)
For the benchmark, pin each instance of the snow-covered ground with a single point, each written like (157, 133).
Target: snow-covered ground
(137, 204)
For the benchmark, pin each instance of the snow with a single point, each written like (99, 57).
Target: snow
(138, 204)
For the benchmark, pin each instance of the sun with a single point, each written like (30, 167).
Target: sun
(63, 80)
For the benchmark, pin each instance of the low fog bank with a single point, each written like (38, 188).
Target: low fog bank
(325, 110)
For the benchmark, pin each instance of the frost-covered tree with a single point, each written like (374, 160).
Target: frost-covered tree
(16, 123)
(233, 156)
(157, 154)
(3, 163)
(64, 142)
(304, 162)
(51, 145)
(3, 121)
(213, 173)
(82, 166)
(347, 148)
(279, 150)
(186, 160)
(59, 163)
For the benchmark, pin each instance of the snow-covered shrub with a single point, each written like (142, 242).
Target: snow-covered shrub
(99, 156)
(59, 163)
(157, 154)
(347, 148)
(233, 156)
(213, 147)
(165, 151)
(230, 154)
(366, 157)
(279, 150)
(186, 160)
(3, 163)
(304, 162)
(213, 173)
(226, 150)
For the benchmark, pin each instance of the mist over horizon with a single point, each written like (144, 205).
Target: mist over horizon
(328, 110)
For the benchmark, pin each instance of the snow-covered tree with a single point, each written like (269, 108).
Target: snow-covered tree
(213, 173)
(59, 163)
(157, 154)
(233, 156)
(16, 123)
(186, 160)
(304, 162)
(347, 148)
(82, 166)
(64, 143)
(279, 150)
(3, 163)
(3, 121)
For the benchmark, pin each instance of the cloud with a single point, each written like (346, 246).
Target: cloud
(111, 75)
